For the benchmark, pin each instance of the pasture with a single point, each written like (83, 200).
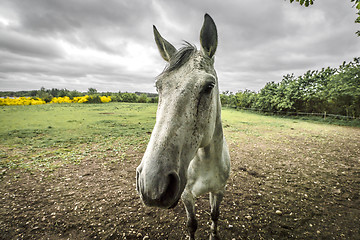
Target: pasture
(68, 171)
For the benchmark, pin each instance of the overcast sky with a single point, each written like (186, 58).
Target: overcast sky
(109, 45)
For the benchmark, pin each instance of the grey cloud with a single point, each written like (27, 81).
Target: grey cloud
(28, 45)
(60, 16)
(259, 41)
(85, 23)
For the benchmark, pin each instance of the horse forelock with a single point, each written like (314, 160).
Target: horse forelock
(181, 57)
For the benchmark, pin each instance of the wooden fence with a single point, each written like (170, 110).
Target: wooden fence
(323, 115)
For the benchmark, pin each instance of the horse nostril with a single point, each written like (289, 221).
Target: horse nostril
(172, 188)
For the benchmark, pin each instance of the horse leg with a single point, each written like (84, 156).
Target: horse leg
(188, 200)
(215, 200)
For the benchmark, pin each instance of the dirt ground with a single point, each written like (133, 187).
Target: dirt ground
(293, 187)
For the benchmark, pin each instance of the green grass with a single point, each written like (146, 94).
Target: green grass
(243, 127)
(47, 125)
(48, 136)
(45, 137)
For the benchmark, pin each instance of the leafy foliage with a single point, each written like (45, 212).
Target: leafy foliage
(305, 2)
(330, 90)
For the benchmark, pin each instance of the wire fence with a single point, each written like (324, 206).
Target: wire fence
(323, 115)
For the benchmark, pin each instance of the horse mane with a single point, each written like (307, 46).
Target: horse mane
(181, 57)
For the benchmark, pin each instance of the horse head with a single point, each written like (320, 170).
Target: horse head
(185, 119)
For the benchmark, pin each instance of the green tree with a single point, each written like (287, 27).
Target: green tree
(143, 98)
(63, 93)
(329, 90)
(228, 99)
(245, 99)
(129, 97)
(92, 91)
(287, 93)
(44, 95)
(154, 99)
(344, 89)
(265, 98)
(224, 98)
(54, 92)
(304, 2)
(74, 93)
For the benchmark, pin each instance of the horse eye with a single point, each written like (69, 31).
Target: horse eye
(158, 88)
(208, 87)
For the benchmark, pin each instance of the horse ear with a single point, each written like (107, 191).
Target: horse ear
(167, 50)
(208, 36)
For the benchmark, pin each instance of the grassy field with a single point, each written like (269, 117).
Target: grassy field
(44, 137)
(50, 135)
(68, 171)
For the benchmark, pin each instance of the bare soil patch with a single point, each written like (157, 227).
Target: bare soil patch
(294, 185)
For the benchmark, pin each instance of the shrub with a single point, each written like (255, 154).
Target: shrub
(21, 101)
(105, 99)
(94, 99)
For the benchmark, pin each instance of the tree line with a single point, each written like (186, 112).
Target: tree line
(48, 94)
(330, 90)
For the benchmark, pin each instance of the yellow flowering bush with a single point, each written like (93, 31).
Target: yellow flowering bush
(61, 100)
(21, 101)
(81, 99)
(105, 99)
(34, 101)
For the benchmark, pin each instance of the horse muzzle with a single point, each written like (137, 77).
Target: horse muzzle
(157, 189)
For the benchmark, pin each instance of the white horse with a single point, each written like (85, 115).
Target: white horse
(187, 155)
